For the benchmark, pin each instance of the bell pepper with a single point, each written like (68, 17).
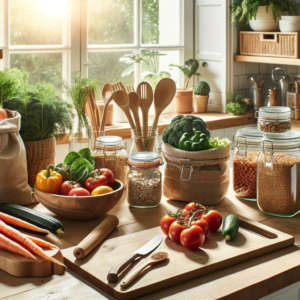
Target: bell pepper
(194, 141)
(49, 180)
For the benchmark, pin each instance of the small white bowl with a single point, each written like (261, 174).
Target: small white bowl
(291, 18)
(286, 26)
(263, 26)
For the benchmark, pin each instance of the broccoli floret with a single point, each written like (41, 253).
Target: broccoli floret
(178, 117)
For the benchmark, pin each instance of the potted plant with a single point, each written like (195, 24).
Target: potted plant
(184, 97)
(238, 105)
(201, 95)
(262, 15)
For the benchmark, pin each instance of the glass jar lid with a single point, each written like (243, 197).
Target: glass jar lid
(274, 112)
(144, 159)
(288, 140)
(109, 143)
(249, 135)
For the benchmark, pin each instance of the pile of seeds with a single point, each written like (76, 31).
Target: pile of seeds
(274, 127)
(144, 192)
(244, 175)
(279, 186)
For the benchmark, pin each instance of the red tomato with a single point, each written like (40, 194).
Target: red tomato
(214, 220)
(67, 186)
(101, 177)
(186, 214)
(165, 224)
(175, 231)
(77, 192)
(203, 224)
(108, 174)
(192, 238)
(194, 207)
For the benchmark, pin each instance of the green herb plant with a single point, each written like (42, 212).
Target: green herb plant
(149, 60)
(244, 11)
(237, 105)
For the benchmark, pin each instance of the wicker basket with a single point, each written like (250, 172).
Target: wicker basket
(200, 103)
(270, 44)
(39, 155)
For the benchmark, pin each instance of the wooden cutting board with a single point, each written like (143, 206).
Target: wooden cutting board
(20, 266)
(253, 239)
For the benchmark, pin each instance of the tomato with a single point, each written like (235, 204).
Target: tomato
(175, 230)
(192, 238)
(214, 220)
(185, 214)
(67, 186)
(101, 177)
(77, 192)
(194, 207)
(108, 174)
(165, 224)
(203, 224)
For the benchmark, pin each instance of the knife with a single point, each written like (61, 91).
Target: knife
(122, 264)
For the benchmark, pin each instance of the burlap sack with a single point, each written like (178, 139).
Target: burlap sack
(13, 170)
(208, 172)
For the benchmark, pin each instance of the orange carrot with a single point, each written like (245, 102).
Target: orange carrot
(22, 239)
(41, 242)
(17, 222)
(11, 246)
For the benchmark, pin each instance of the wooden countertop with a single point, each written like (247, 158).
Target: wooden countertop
(252, 279)
(214, 121)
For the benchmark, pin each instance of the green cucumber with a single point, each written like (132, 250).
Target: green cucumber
(231, 226)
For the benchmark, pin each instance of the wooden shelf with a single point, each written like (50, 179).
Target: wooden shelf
(268, 60)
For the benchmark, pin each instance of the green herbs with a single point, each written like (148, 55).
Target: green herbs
(245, 10)
(237, 106)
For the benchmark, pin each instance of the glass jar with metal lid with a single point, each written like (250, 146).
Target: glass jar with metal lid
(278, 175)
(144, 180)
(275, 119)
(110, 153)
(246, 145)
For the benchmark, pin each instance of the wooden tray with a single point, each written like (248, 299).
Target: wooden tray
(253, 239)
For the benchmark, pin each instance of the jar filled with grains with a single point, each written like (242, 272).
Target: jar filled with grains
(144, 180)
(278, 175)
(110, 153)
(246, 145)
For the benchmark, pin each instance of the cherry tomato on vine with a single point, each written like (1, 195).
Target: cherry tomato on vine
(203, 224)
(185, 214)
(175, 230)
(165, 224)
(194, 207)
(192, 238)
(214, 220)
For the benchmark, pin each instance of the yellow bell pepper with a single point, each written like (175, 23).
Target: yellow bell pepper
(49, 181)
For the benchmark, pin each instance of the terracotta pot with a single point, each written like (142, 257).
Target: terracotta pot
(184, 101)
(109, 114)
(200, 105)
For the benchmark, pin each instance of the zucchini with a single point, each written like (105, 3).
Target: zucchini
(231, 226)
(32, 216)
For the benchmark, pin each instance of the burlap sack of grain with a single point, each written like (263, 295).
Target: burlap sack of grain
(13, 170)
(208, 171)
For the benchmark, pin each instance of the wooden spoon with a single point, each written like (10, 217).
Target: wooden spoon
(107, 91)
(154, 259)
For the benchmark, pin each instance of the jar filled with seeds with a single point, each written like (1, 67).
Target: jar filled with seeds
(144, 180)
(246, 145)
(110, 153)
(278, 175)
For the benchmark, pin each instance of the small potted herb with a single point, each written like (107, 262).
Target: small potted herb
(238, 105)
(184, 97)
(201, 96)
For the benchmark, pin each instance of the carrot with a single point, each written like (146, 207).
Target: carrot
(41, 242)
(17, 222)
(22, 239)
(11, 246)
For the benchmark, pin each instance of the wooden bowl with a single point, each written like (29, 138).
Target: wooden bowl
(81, 208)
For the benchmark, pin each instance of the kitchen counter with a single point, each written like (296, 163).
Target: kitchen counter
(252, 279)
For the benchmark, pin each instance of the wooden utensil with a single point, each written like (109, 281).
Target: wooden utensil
(107, 91)
(96, 237)
(154, 259)
(163, 95)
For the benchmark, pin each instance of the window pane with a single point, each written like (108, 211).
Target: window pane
(111, 22)
(106, 67)
(161, 22)
(1, 23)
(40, 66)
(36, 22)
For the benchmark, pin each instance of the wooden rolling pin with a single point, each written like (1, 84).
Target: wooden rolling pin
(96, 237)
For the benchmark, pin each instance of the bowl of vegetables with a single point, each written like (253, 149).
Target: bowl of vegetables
(75, 190)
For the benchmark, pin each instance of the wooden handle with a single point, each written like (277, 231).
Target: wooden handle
(96, 237)
(145, 123)
(154, 126)
(139, 143)
(103, 118)
(112, 276)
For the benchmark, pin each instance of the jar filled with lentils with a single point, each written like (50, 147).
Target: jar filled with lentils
(246, 145)
(144, 180)
(110, 153)
(278, 175)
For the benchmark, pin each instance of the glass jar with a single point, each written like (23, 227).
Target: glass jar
(110, 153)
(80, 136)
(278, 176)
(144, 180)
(144, 140)
(246, 145)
